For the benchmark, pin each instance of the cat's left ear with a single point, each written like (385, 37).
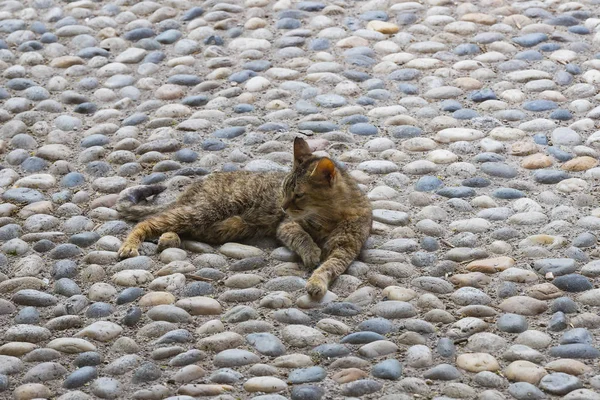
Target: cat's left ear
(324, 171)
(301, 151)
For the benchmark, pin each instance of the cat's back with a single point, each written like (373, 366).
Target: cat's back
(243, 181)
(238, 186)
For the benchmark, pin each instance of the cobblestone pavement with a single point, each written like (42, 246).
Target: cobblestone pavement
(471, 126)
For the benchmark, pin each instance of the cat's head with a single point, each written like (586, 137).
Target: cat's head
(311, 185)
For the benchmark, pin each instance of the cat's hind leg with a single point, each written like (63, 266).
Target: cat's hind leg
(231, 229)
(169, 221)
(168, 240)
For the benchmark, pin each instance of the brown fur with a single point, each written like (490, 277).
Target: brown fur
(316, 210)
(132, 202)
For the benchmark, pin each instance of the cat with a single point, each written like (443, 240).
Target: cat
(317, 210)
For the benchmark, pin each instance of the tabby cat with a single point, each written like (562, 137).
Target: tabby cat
(317, 210)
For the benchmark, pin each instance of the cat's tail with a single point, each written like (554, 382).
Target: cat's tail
(132, 203)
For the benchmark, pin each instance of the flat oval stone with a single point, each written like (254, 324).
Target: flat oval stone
(239, 251)
(572, 283)
(443, 372)
(31, 297)
(361, 387)
(387, 369)
(559, 383)
(266, 384)
(524, 371)
(71, 345)
(311, 374)
(10, 365)
(101, 330)
(394, 309)
(266, 343)
(43, 372)
(235, 357)
(362, 337)
(523, 305)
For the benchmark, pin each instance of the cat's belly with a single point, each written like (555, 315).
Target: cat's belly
(235, 229)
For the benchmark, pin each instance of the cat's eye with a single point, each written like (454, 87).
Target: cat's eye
(299, 195)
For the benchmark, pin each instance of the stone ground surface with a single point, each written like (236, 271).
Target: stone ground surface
(471, 126)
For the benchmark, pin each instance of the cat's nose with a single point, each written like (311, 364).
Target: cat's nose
(286, 205)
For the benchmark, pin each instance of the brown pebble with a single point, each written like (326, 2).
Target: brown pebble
(349, 375)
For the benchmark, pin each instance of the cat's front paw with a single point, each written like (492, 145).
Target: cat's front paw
(311, 258)
(128, 251)
(316, 287)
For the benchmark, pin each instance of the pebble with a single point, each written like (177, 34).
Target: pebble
(394, 309)
(572, 283)
(266, 343)
(575, 350)
(477, 362)
(443, 372)
(524, 371)
(361, 387)
(559, 383)
(266, 384)
(106, 388)
(235, 357)
(387, 369)
(525, 390)
(306, 375)
(307, 392)
(80, 377)
(512, 323)
(523, 305)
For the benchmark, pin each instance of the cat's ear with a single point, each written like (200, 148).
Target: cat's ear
(324, 171)
(301, 151)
